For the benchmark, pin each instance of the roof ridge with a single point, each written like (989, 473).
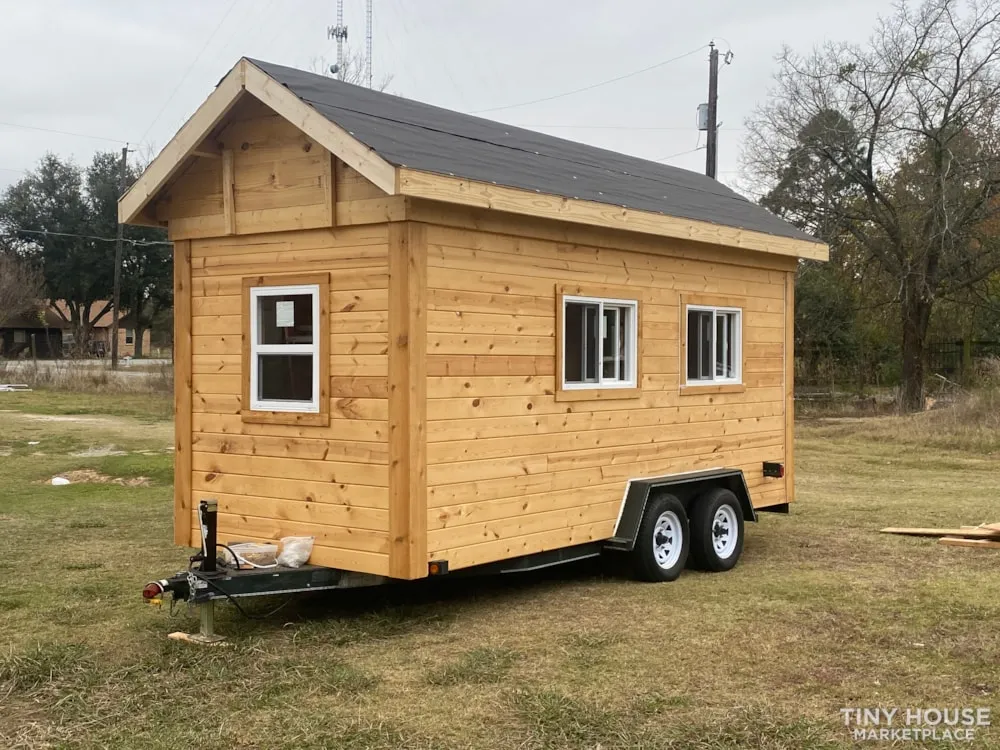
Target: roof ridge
(433, 139)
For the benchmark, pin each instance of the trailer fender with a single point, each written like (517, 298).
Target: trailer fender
(686, 487)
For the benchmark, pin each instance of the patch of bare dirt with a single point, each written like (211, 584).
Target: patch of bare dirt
(99, 451)
(89, 476)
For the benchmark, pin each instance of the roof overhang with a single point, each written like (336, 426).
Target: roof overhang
(247, 78)
(511, 200)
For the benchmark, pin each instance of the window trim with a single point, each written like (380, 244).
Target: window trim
(713, 304)
(601, 389)
(275, 412)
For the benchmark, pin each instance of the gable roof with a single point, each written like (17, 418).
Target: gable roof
(410, 148)
(426, 138)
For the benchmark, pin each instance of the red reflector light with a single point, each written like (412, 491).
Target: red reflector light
(151, 590)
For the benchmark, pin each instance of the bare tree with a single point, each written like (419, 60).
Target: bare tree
(892, 150)
(355, 70)
(20, 287)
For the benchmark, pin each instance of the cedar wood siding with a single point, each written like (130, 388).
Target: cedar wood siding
(274, 480)
(446, 439)
(511, 470)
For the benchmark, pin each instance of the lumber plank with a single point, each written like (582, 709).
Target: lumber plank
(174, 155)
(228, 191)
(789, 378)
(359, 561)
(360, 430)
(499, 198)
(182, 393)
(476, 554)
(358, 496)
(968, 533)
(521, 524)
(955, 541)
(407, 404)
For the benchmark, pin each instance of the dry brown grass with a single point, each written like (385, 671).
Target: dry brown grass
(823, 612)
(89, 376)
(966, 421)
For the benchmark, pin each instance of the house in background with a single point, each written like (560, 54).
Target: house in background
(100, 339)
(52, 336)
(38, 333)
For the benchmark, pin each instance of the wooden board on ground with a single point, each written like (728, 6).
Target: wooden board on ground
(980, 533)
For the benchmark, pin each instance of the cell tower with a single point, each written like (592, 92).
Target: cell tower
(338, 32)
(368, 41)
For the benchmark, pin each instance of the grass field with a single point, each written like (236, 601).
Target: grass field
(822, 613)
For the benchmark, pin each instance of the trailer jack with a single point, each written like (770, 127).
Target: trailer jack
(206, 635)
(207, 579)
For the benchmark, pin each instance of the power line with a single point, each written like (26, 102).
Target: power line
(593, 85)
(14, 231)
(188, 71)
(614, 127)
(62, 132)
(680, 153)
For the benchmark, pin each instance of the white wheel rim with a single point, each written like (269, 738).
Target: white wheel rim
(724, 532)
(668, 538)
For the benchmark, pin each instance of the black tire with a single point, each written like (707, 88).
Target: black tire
(654, 558)
(713, 517)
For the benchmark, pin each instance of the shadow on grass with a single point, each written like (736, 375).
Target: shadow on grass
(397, 609)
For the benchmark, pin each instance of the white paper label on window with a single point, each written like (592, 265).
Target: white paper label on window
(284, 313)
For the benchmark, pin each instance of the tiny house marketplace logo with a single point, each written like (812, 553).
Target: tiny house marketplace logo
(920, 724)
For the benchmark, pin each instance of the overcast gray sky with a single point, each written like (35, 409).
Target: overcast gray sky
(134, 71)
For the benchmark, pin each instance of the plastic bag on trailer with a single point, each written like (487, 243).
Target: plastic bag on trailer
(250, 555)
(295, 551)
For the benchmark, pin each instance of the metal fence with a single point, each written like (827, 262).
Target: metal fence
(956, 360)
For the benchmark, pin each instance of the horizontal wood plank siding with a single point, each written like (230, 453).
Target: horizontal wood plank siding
(279, 480)
(511, 470)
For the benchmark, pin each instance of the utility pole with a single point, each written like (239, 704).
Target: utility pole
(118, 265)
(712, 148)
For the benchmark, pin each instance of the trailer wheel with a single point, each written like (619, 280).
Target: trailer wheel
(716, 530)
(661, 546)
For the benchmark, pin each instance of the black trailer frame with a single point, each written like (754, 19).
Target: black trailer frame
(206, 580)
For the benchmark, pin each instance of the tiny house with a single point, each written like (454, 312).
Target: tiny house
(434, 342)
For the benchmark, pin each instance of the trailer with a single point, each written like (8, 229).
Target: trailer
(438, 343)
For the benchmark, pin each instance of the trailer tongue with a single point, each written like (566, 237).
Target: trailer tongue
(209, 578)
(662, 520)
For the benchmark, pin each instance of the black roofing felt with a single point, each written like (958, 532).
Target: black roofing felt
(431, 139)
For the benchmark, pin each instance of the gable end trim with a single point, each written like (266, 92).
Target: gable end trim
(247, 77)
(182, 146)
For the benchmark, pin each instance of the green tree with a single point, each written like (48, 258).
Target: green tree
(923, 98)
(63, 219)
(147, 269)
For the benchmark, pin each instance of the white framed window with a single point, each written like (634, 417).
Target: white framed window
(129, 335)
(714, 345)
(285, 348)
(599, 342)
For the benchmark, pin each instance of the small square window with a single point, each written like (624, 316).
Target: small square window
(599, 343)
(284, 348)
(714, 345)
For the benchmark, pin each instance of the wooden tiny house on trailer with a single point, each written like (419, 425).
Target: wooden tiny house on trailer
(423, 336)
